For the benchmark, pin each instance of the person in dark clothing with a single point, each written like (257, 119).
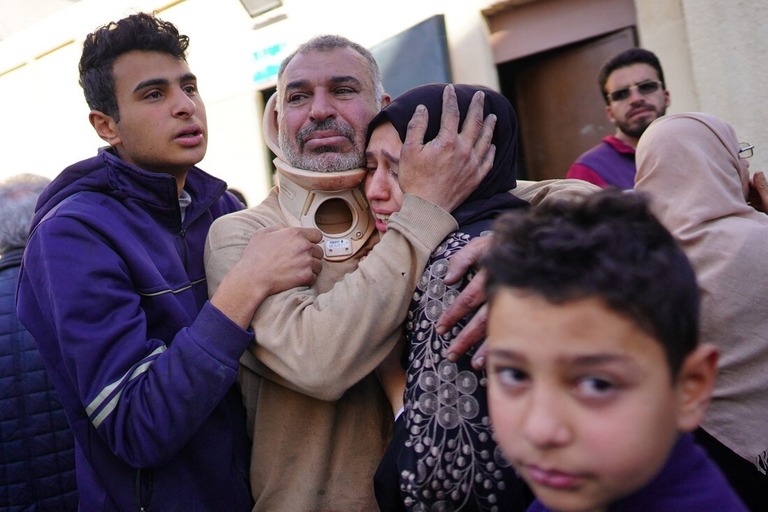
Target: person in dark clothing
(112, 287)
(37, 450)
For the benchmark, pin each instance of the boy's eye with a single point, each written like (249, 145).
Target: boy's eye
(190, 89)
(153, 95)
(594, 387)
(509, 377)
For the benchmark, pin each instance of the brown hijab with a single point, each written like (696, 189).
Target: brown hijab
(689, 164)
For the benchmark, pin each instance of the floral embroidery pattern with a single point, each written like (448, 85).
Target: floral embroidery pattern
(450, 461)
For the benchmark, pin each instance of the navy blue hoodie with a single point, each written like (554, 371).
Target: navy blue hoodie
(112, 288)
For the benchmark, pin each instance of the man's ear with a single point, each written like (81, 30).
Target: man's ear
(274, 119)
(609, 114)
(386, 99)
(695, 383)
(105, 127)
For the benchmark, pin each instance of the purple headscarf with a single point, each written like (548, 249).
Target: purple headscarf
(492, 196)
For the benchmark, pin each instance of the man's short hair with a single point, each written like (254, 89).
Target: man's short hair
(627, 58)
(327, 42)
(18, 196)
(610, 247)
(102, 47)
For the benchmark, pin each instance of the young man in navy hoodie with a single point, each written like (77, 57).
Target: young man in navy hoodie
(113, 288)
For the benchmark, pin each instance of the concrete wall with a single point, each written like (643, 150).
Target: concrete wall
(712, 53)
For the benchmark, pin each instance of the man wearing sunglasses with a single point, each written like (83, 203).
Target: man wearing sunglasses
(632, 84)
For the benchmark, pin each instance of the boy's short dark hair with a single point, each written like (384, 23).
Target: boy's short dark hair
(627, 58)
(102, 47)
(608, 246)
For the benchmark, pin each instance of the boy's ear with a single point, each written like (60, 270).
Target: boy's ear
(695, 383)
(105, 127)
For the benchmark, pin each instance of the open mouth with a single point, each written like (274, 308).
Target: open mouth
(191, 132)
(191, 137)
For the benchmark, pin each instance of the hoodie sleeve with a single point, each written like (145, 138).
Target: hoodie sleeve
(84, 295)
(321, 344)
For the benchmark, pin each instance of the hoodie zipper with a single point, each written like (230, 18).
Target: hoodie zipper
(143, 489)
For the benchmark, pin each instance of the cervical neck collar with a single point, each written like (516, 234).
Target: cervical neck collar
(332, 202)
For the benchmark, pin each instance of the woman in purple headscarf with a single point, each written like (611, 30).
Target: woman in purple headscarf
(442, 455)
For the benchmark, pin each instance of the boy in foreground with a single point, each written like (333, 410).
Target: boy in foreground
(596, 377)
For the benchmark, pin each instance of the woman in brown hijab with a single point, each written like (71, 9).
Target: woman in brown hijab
(695, 170)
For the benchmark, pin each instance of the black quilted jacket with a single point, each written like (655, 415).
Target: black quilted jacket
(37, 456)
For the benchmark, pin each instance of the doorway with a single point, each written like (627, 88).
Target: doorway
(558, 102)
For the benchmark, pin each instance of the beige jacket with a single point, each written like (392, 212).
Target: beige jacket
(689, 165)
(318, 418)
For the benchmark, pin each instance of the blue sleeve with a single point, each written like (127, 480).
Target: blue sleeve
(146, 397)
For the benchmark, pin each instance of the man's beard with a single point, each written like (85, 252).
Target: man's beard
(324, 158)
(636, 130)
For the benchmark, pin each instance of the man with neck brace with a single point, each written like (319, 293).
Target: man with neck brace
(317, 415)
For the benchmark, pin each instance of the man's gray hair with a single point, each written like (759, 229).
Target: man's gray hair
(18, 196)
(329, 42)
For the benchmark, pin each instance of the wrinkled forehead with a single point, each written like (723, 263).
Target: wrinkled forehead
(325, 68)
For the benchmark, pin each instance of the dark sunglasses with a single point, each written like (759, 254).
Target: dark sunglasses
(644, 88)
